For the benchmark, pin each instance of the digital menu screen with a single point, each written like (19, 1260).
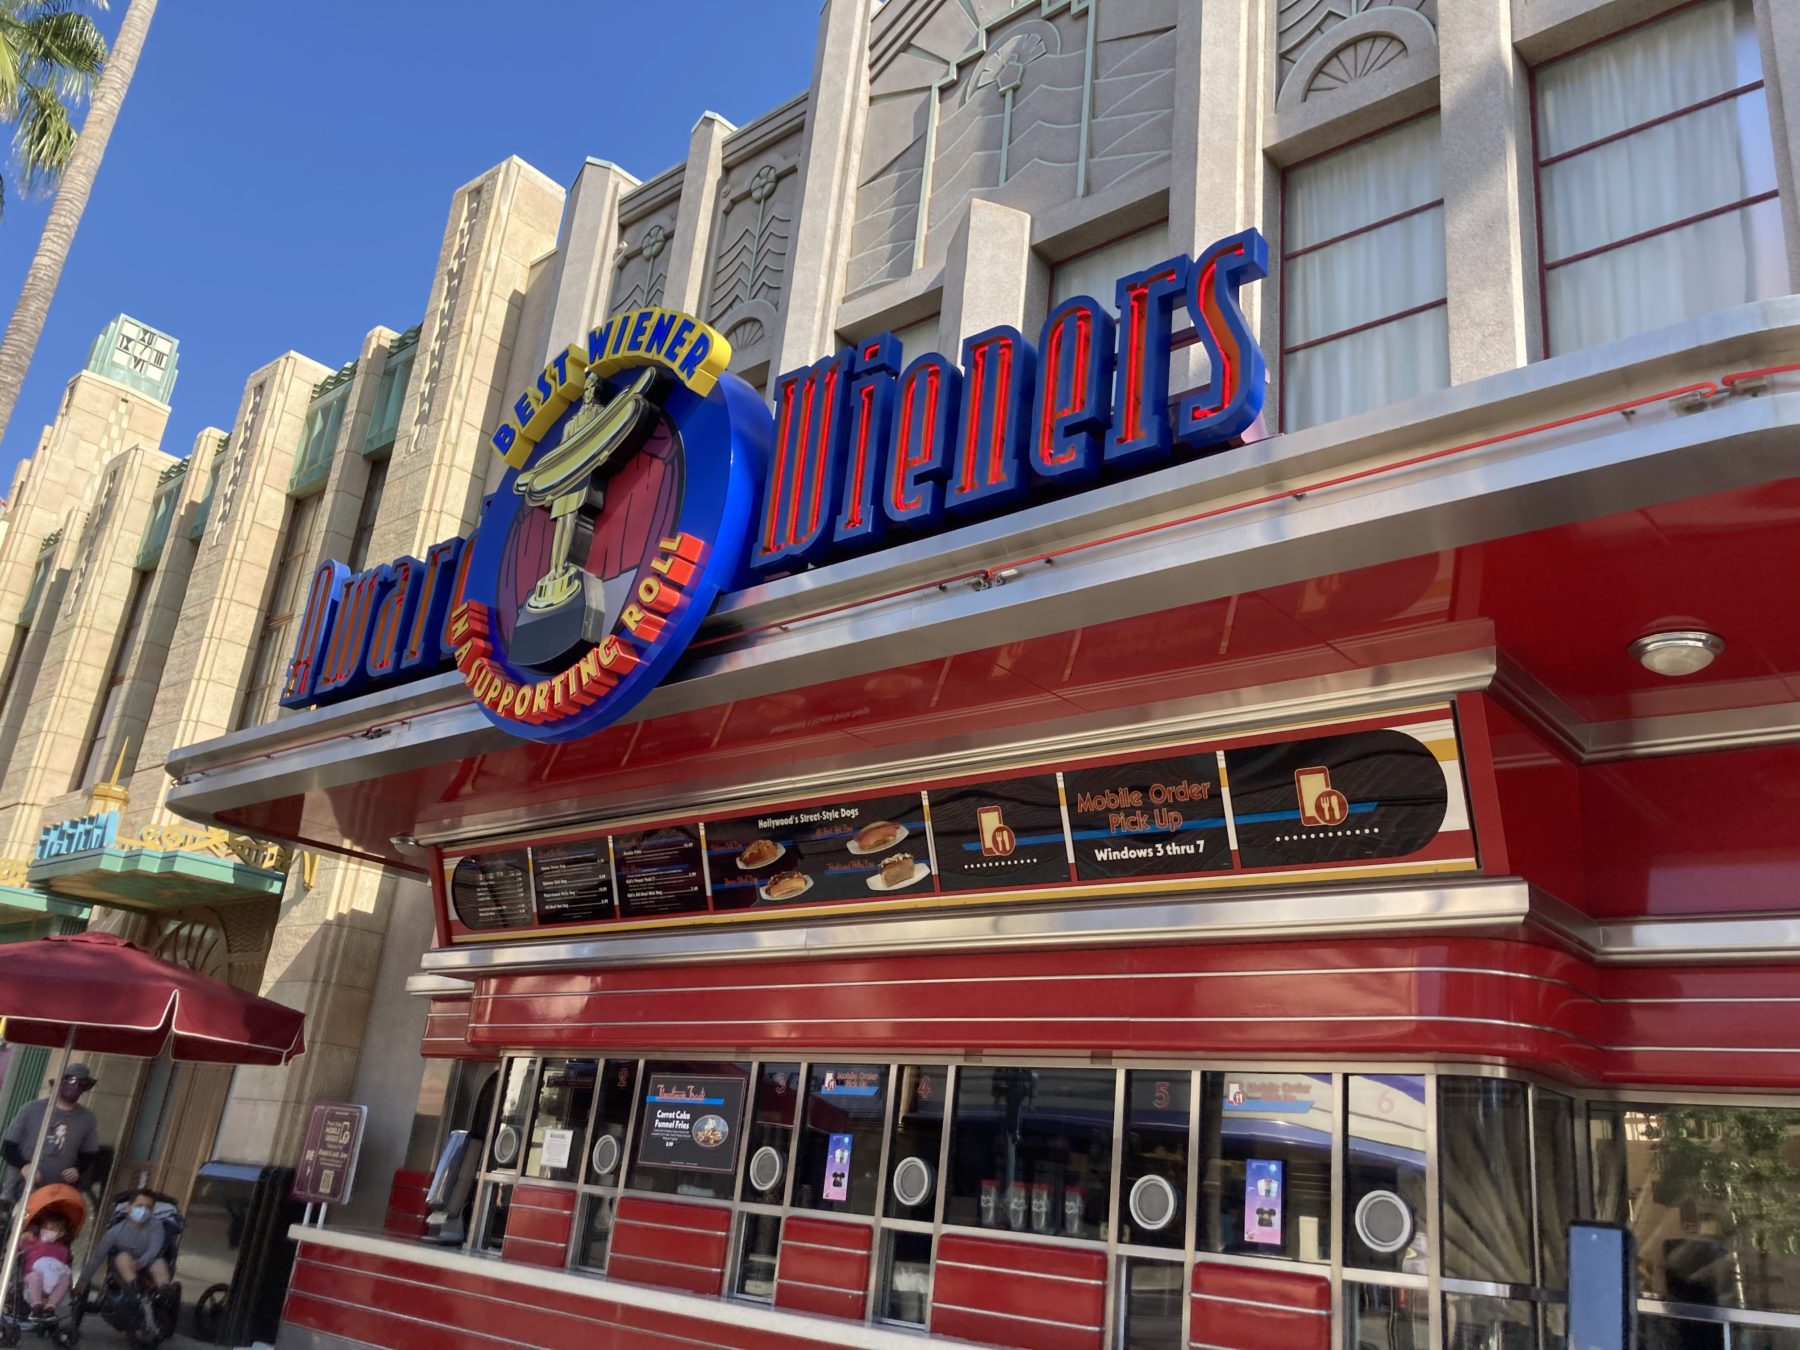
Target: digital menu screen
(660, 872)
(492, 890)
(1154, 817)
(995, 835)
(1332, 799)
(813, 854)
(691, 1122)
(573, 882)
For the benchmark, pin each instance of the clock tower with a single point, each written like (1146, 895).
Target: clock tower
(137, 355)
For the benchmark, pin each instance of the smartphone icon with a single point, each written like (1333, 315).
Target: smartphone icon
(997, 837)
(1320, 803)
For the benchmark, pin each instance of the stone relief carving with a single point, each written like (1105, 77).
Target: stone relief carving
(751, 244)
(436, 349)
(643, 266)
(1324, 45)
(1030, 102)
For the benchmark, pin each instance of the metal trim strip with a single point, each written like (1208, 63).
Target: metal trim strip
(1014, 1317)
(1020, 1274)
(1258, 1303)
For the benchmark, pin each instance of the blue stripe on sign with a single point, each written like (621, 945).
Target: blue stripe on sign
(1263, 817)
(688, 1101)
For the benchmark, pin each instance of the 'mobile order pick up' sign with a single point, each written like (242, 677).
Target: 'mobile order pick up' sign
(1376, 799)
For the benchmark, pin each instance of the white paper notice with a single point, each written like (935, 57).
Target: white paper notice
(556, 1147)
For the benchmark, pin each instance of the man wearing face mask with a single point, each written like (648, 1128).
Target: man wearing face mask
(71, 1143)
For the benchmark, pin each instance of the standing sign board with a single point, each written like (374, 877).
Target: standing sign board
(327, 1166)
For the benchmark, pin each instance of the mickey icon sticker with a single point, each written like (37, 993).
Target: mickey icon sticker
(1320, 803)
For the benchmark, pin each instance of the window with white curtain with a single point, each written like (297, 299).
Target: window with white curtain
(1362, 276)
(1097, 271)
(1656, 177)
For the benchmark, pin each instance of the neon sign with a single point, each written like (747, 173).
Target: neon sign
(628, 502)
(865, 451)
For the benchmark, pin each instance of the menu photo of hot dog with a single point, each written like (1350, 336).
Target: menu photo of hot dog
(829, 851)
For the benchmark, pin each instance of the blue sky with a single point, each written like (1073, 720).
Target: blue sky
(281, 174)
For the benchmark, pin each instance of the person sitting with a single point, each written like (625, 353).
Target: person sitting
(44, 1253)
(135, 1244)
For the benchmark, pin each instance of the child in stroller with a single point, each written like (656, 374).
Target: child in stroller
(39, 1300)
(139, 1296)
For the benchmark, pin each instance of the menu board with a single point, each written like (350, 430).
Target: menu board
(1335, 799)
(572, 882)
(1255, 810)
(691, 1122)
(492, 890)
(660, 872)
(815, 854)
(1152, 817)
(995, 835)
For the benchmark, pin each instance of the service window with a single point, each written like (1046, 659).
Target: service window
(771, 1130)
(1031, 1151)
(1266, 1164)
(1386, 1220)
(920, 1097)
(615, 1092)
(565, 1095)
(1153, 1190)
(690, 1127)
(507, 1144)
(838, 1163)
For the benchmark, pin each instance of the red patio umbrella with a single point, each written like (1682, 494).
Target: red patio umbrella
(117, 999)
(98, 993)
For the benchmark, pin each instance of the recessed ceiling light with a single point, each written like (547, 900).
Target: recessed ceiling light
(1677, 653)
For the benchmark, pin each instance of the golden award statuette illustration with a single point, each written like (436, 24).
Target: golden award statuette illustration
(566, 610)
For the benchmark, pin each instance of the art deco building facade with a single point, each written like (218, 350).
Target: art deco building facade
(1506, 553)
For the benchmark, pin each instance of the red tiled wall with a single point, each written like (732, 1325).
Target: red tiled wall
(669, 1243)
(406, 1209)
(395, 1304)
(1240, 1308)
(824, 1267)
(537, 1226)
(1032, 1295)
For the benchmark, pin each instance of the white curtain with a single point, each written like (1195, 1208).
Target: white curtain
(1650, 178)
(1097, 273)
(1365, 278)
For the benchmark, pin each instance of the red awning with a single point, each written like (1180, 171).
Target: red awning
(121, 1000)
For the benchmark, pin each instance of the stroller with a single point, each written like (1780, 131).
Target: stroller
(145, 1315)
(16, 1315)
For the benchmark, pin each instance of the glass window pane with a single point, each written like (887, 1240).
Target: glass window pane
(1727, 260)
(1484, 1179)
(689, 1126)
(905, 1278)
(1649, 72)
(1266, 1146)
(771, 1128)
(839, 1162)
(1765, 1338)
(1371, 180)
(507, 1148)
(493, 1228)
(565, 1095)
(919, 1100)
(1475, 1323)
(1387, 1319)
(1150, 1305)
(758, 1252)
(1097, 271)
(1712, 1194)
(1679, 1333)
(1153, 1190)
(596, 1232)
(1381, 365)
(1031, 1150)
(1364, 278)
(612, 1118)
(1385, 1221)
(1554, 1121)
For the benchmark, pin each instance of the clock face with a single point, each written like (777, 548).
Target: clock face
(142, 350)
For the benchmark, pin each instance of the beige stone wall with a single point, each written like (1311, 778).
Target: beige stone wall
(73, 679)
(98, 418)
(209, 654)
(499, 225)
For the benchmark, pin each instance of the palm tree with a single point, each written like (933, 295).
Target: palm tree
(49, 52)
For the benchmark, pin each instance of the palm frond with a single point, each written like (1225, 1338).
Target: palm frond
(43, 138)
